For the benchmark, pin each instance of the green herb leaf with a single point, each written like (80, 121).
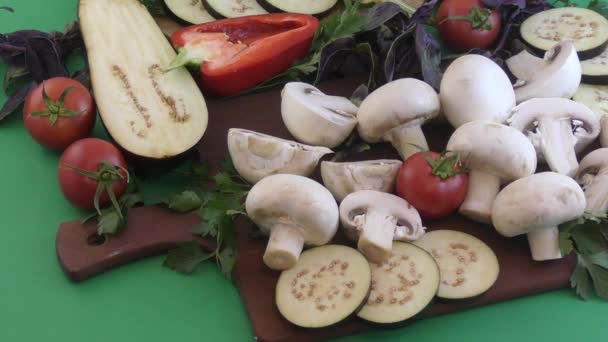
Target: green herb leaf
(109, 222)
(565, 242)
(227, 260)
(186, 257)
(205, 230)
(600, 259)
(581, 282)
(185, 202)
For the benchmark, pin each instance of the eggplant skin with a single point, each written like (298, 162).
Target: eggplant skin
(406, 322)
(272, 9)
(582, 55)
(595, 79)
(212, 11)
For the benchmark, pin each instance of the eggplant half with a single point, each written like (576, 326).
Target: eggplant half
(148, 113)
(188, 12)
(315, 7)
(232, 8)
(595, 70)
(586, 29)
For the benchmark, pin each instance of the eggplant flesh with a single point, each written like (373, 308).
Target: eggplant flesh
(402, 286)
(148, 113)
(587, 29)
(233, 8)
(311, 7)
(468, 266)
(188, 11)
(595, 70)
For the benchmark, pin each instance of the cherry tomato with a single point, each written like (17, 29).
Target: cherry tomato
(436, 190)
(467, 24)
(88, 164)
(58, 112)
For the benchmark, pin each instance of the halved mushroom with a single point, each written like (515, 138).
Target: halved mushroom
(474, 87)
(256, 155)
(375, 219)
(558, 128)
(343, 179)
(558, 74)
(315, 118)
(394, 113)
(592, 175)
(295, 211)
(494, 153)
(536, 205)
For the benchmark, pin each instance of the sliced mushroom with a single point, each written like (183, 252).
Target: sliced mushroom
(558, 74)
(315, 118)
(375, 219)
(343, 179)
(295, 211)
(536, 205)
(395, 112)
(256, 155)
(592, 175)
(558, 128)
(474, 87)
(494, 153)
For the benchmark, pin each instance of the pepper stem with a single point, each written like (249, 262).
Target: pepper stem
(183, 58)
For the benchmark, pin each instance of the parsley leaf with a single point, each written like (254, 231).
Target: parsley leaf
(111, 221)
(581, 282)
(186, 257)
(185, 202)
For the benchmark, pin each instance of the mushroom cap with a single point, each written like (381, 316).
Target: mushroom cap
(315, 118)
(474, 87)
(295, 201)
(364, 201)
(524, 116)
(495, 149)
(542, 200)
(256, 155)
(593, 162)
(406, 101)
(348, 177)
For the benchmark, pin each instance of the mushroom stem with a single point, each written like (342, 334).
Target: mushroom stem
(284, 247)
(405, 139)
(544, 244)
(604, 131)
(483, 189)
(557, 144)
(376, 237)
(596, 193)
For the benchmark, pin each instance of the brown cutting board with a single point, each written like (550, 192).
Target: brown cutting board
(153, 230)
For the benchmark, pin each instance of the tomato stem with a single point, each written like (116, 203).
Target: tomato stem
(55, 109)
(445, 166)
(479, 18)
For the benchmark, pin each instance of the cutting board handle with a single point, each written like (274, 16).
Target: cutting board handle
(150, 231)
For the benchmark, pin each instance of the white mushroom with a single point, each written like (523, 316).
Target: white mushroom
(474, 87)
(494, 153)
(345, 178)
(558, 128)
(593, 177)
(377, 218)
(295, 211)
(315, 118)
(395, 112)
(535, 206)
(558, 74)
(256, 155)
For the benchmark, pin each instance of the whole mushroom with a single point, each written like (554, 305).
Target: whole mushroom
(395, 112)
(558, 128)
(295, 211)
(315, 118)
(592, 175)
(347, 177)
(536, 205)
(474, 87)
(558, 74)
(374, 219)
(256, 155)
(494, 153)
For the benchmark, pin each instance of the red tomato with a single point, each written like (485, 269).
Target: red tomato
(456, 20)
(54, 123)
(87, 155)
(434, 197)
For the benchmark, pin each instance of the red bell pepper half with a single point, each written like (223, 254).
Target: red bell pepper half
(238, 53)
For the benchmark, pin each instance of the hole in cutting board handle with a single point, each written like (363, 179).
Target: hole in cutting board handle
(96, 239)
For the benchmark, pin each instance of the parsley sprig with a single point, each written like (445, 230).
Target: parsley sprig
(219, 201)
(588, 238)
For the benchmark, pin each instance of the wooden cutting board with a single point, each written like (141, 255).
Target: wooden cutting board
(152, 230)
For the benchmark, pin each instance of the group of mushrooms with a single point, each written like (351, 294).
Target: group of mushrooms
(503, 131)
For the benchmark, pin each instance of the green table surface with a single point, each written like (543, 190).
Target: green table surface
(146, 302)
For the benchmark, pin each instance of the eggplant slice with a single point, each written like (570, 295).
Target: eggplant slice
(587, 29)
(148, 113)
(596, 98)
(232, 8)
(312, 7)
(595, 70)
(188, 11)
(467, 265)
(327, 285)
(402, 286)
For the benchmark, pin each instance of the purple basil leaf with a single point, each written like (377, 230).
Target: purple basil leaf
(35, 64)
(16, 100)
(382, 13)
(13, 72)
(498, 3)
(428, 50)
(401, 60)
(333, 56)
(83, 76)
(424, 11)
(51, 57)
